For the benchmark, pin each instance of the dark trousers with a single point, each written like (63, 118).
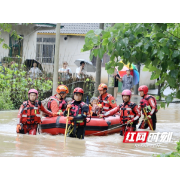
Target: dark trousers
(144, 125)
(79, 131)
(127, 128)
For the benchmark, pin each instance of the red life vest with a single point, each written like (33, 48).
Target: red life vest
(76, 110)
(105, 104)
(61, 103)
(148, 104)
(30, 113)
(127, 112)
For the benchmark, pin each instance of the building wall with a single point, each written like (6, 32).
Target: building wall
(70, 50)
(4, 52)
(145, 78)
(29, 45)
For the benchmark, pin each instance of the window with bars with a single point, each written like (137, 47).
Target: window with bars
(45, 50)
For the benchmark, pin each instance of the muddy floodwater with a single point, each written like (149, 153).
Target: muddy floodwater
(16, 145)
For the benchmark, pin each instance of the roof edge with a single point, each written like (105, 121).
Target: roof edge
(48, 24)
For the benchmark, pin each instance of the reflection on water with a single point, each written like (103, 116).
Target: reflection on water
(12, 144)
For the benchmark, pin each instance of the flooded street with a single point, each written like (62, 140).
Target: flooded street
(16, 145)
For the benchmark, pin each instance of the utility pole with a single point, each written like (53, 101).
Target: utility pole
(56, 60)
(110, 78)
(98, 68)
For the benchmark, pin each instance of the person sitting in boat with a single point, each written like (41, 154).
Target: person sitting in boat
(148, 105)
(77, 114)
(94, 108)
(129, 113)
(29, 115)
(68, 100)
(106, 100)
(57, 104)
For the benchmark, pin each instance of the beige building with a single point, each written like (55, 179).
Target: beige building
(26, 47)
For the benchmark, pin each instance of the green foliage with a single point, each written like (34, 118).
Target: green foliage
(14, 86)
(156, 45)
(5, 101)
(171, 154)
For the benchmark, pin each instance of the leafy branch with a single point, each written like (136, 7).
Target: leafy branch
(148, 44)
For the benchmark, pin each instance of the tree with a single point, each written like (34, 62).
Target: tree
(154, 45)
(98, 68)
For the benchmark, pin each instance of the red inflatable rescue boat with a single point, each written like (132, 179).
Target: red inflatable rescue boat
(94, 126)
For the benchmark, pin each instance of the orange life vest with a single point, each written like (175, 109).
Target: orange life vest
(61, 103)
(30, 113)
(105, 104)
(127, 112)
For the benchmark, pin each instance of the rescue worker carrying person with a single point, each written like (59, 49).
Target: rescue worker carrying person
(129, 113)
(57, 104)
(78, 114)
(148, 105)
(29, 114)
(107, 100)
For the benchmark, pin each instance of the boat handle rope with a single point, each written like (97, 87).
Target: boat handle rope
(108, 129)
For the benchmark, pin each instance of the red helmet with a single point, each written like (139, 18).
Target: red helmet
(33, 91)
(102, 86)
(143, 88)
(126, 92)
(78, 90)
(62, 89)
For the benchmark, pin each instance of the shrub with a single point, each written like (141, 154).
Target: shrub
(5, 101)
(15, 82)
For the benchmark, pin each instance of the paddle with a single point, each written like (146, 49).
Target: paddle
(148, 120)
(66, 126)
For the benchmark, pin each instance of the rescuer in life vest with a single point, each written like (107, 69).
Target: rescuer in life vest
(57, 103)
(148, 105)
(129, 113)
(29, 114)
(78, 114)
(107, 100)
